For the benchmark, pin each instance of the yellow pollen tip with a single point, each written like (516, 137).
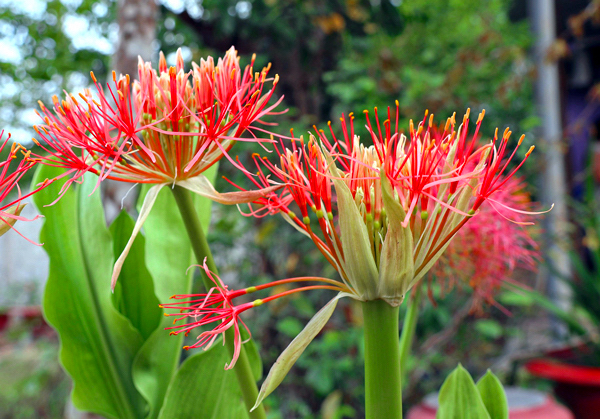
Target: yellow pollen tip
(426, 113)
(397, 103)
(186, 348)
(430, 120)
(521, 139)
(114, 76)
(530, 151)
(276, 80)
(481, 115)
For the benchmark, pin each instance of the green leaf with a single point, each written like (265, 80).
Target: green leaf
(98, 344)
(253, 355)
(290, 355)
(168, 256)
(493, 396)
(489, 328)
(134, 292)
(459, 398)
(203, 389)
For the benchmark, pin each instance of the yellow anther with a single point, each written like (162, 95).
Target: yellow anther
(521, 139)
(530, 151)
(114, 76)
(430, 120)
(481, 115)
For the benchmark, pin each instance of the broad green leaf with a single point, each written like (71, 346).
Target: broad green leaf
(149, 199)
(290, 355)
(459, 398)
(203, 389)
(168, 256)
(493, 396)
(134, 293)
(98, 344)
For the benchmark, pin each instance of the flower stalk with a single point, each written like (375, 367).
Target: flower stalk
(201, 250)
(383, 386)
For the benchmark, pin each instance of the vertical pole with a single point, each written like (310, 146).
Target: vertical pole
(554, 189)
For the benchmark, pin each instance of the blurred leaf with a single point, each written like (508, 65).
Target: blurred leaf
(459, 398)
(289, 326)
(493, 396)
(202, 388)
(98, 344)
(489, 328)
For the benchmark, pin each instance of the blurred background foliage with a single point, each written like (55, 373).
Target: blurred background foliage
(332, 56)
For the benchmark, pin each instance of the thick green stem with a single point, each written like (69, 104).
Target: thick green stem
(242, 368)
(383, 387)
(408, 330)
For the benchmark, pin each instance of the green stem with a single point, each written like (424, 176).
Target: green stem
(408, 330)
(383, 387)
(242, 368)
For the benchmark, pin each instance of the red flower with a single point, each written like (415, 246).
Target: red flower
(385, 212)
(217, 306)
(164, 128)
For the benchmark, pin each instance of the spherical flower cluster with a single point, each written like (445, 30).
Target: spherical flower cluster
(386, 212)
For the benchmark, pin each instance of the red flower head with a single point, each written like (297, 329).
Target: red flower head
(167, 128)
(385, 212)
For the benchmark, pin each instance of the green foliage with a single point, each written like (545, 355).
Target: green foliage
(493, 396)
(134, 292)
(98, 344)
(202, 388)
(451, 55)
(460, 398)
(114, 346)
(34, 386)
(168, 255)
